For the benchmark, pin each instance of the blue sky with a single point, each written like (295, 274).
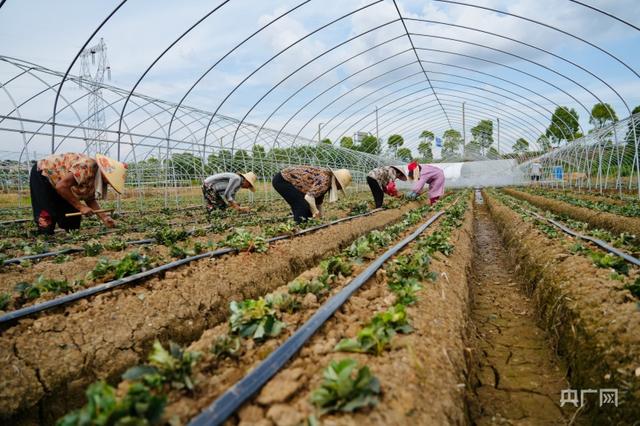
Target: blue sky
(51, 33)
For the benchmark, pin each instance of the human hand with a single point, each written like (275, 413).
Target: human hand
(86, 210)
(108, 221)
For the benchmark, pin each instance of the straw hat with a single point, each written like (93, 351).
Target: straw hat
(113, 171)
(400, 171)
(343, 176)
(251, 178)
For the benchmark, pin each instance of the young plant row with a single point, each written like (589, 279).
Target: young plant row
(619, 267)
(252, 319)
(631, 209)
(347, 386)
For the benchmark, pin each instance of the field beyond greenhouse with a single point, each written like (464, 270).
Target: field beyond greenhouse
(364, 316)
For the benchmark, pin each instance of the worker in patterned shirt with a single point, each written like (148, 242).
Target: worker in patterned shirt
(304, 188)
(60, 183)
(381, 180)
(219, 190)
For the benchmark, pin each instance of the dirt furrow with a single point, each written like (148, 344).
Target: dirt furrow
(592, 322)
(116, 329)
(517, 377)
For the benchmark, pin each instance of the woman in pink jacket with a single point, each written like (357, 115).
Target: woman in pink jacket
(426, 174)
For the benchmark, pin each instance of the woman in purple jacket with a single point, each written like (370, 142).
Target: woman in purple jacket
(426, 174)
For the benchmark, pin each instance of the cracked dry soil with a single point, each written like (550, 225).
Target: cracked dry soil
(516, 378)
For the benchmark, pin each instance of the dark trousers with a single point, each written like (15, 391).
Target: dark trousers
(49, 208)
(378, 195)
(299, 206)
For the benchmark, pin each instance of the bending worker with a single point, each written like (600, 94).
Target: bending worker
(219, 190)
(426, 174)
(381, 180)
(60, 182)
(304, 187)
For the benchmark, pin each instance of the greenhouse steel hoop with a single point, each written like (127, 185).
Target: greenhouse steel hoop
(606, 52)
(82, 294)
(426, 76)
(528, 45)
(184, 97)
(606, 13)
(322, 27)
(276, 85)
(596, 241)
(226, 404)
(521, 58)
(144, 74)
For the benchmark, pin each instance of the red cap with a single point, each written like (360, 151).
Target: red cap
(412, 166)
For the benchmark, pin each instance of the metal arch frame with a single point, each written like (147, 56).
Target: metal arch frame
(347, 92)
(399, 116)
(606, 52)
(375, 2)
(317, 78)
(188, 92)
(522, 58)
(335, 47)
(605, 13)
(480, 59)
(411, 123)
(547, 52)
(155, 61)
(418, 58)
(73, 62)
(396, 120)
(498, 102)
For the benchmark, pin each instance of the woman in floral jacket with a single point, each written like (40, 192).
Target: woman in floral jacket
(381, 181)
(60, 182)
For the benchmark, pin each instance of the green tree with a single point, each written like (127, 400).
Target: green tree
(346, 142)
(451, 141)
(521, 146)
(186, 165)
(370, 144)
(483, 134)
(602, 114)
(326, 141)
(258, 152)
(395, 142)
(424, 149)
(493, 153)
(405, 154)
(564, 126)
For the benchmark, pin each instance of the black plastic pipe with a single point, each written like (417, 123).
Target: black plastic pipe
(225, 405)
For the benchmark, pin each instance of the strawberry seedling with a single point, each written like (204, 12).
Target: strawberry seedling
(243, 240)
(130, 264)
(303, 287)
(634, 287)
(137, 407)
(255, 319)
(377, 335)
(346, 387)
(171, 367)
(42, 285)
(226, 347)
(92, 248)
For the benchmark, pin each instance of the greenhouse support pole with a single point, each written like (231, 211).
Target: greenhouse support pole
(498, 120)
(377, 128)
(464, 134)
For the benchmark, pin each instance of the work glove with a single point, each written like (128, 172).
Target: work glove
(411, 196)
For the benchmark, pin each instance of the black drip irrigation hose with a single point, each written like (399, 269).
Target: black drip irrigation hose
(227, 403)
(595, 241)
(50, 304)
